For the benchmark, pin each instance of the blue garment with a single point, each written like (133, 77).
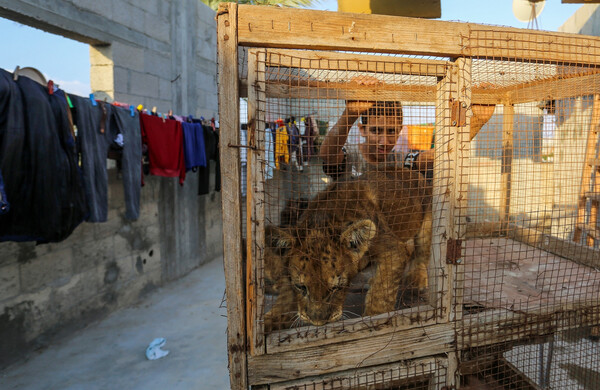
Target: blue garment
(193, 145)
(269, 155)
(4, 205)
(294, 133)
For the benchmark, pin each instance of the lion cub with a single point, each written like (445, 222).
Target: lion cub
(349, 225)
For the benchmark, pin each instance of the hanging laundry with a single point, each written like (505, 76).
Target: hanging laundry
(128, 126)
(211, 144)
(4, 205)
(295, 149)
(243, 159)
(193, 145)
(269, 154)
(38, 164)
(94, 138)
(309, 139)
(164, 138)
(282, 153)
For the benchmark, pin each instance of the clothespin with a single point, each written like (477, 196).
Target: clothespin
(140, 107)
(132, 111)
(69, 100)
(170, 113)
(93, 100)
(154, 110)
(50, 87)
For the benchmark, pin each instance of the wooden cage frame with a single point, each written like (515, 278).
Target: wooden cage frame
(280, 31)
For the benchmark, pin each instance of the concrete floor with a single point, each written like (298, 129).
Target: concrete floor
(111, 354)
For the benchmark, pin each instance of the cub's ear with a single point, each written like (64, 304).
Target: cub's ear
(278, 239)
(358, 236)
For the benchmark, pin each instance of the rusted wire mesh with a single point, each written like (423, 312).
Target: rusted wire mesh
(391, 193)
(343, 236)
(531, 287)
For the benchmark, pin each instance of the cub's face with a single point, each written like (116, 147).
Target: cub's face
(321, 262)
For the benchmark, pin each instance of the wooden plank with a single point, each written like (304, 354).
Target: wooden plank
(586, 177)
(461, 184)
(578, 253)
(353, 329)
(255, 215)
(569, 250)
(499, 326)
(328, 60)
(387, 375)
(230, 193)
(438, 282)
(458, 154)
(560, 87)
(508, 118)
(321, 30)
(353, 354)
(306, 90)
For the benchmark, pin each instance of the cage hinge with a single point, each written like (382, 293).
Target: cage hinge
(458, 114)
(453, 251)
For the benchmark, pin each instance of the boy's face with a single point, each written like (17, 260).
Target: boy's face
(381, 133)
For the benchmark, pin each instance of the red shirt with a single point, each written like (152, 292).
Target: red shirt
(164, 138)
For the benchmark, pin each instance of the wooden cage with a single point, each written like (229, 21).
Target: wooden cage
(513, 281)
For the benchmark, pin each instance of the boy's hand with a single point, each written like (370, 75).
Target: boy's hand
(357, 108)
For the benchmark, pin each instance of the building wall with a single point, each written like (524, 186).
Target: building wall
(158, 53)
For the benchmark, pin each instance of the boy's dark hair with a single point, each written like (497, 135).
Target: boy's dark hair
(391, 109)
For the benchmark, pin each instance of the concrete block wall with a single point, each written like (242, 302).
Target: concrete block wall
(158, 53)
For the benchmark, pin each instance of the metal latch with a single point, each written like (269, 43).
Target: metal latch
(453, 251)
(458, 113)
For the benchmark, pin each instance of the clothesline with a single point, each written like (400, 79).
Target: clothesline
(54, 177)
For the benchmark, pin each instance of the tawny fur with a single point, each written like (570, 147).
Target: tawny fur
(378, 219)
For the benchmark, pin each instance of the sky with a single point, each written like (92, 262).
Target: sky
(67, 63)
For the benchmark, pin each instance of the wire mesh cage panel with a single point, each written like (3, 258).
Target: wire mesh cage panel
(423, 374)
(351, 238)
(419, 204)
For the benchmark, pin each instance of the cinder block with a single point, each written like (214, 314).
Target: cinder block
(102, 78)
(128, 56)
(90, 254)
(206, 14)
(151, 6)
(52, 269)
(110, 227)
(165, 9)
(148, 260)
(143, 84)
(80, 288)
(9, 281)
(148, 214)
(157, 27)
(9, 252)
(122, 81)
(103, 8)
(158, 64)
(126, 268)
(164, 89)
(101, 55)
(124, 13)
